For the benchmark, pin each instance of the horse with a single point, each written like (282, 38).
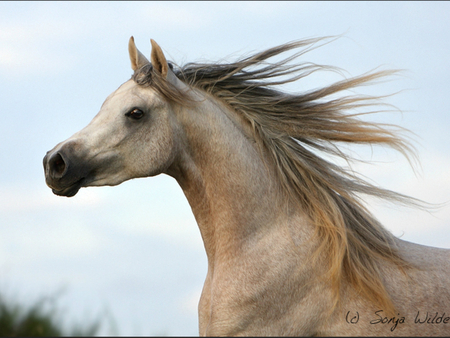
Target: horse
(291, 247)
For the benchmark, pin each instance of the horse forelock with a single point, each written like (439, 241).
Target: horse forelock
(143, 75)
(293, 128)
(146, 76)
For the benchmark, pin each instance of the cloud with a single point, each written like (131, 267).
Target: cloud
(19, 198)
(26, 46)
(141, 207)
(432, 185)
(154, 207)
(45, 40)
(189, 303)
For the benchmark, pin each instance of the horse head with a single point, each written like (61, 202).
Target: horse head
(133, 135)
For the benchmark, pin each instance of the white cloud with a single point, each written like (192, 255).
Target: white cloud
(189, 303)
(432, 186)
(39, 242)
(185, 17)
(26, 45)
(154, 206)
(37, 44)
(18, 198)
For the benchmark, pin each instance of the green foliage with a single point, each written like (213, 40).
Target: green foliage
(38, 320)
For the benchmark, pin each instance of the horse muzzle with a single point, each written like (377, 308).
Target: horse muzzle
(64, 172)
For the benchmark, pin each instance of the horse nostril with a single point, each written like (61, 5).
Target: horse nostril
(57, 165)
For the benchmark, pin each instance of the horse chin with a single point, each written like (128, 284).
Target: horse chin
(69, 191)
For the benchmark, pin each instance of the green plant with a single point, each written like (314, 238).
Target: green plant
(41, 319)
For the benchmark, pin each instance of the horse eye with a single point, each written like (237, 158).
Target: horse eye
(135, 114)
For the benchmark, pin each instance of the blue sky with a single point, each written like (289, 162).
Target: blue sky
(134, 251)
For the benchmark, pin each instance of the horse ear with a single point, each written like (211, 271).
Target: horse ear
(159, 61)
(136, 57)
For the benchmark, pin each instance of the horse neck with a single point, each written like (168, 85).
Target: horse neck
(233, 193)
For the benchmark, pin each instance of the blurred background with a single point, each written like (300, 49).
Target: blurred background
(131, 257)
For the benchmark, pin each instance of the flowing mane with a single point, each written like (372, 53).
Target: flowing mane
(294, 129)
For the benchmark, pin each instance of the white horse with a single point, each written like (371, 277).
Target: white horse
(291, 249)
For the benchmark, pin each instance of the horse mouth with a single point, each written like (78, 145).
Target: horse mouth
(70, 190)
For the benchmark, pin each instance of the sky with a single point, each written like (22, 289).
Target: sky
(133, 253)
